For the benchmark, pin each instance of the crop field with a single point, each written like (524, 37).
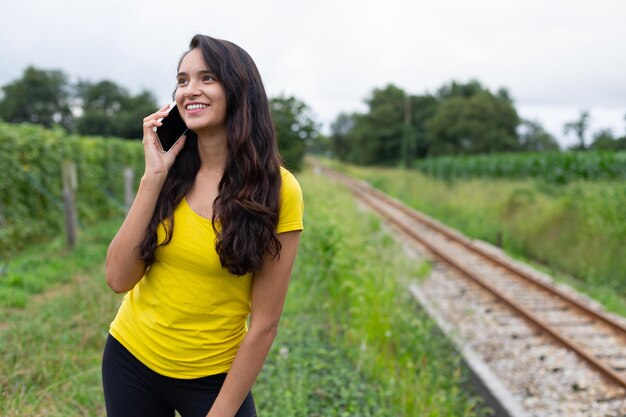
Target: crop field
(553, 167)
(351, 343)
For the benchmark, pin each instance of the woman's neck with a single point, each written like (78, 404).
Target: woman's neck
(213, 150)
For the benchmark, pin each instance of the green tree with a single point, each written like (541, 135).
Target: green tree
(400, 128)
(295, 125)
(104, 95)
(604, 139)
(455, 89)
(340, 138)
(423, 108)
(377, 136)
(579, 127)
(130, 117)
(99, 102)
(620, 144)
(110, 110)
(39, 96)
(392, 131)
(471, 121)
(533, 137)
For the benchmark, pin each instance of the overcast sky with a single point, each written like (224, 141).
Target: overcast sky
(555, 57)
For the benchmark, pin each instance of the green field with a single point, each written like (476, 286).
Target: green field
(552, 167)
(574, 231)
(351, 343)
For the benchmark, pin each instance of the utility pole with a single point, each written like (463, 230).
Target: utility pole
(406, 134)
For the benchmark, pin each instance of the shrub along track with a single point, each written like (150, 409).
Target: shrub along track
(595, 337)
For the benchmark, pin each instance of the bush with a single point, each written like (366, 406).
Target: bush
(31, 159)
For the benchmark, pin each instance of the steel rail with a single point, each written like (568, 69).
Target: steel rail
(364, 191)
(608, 320)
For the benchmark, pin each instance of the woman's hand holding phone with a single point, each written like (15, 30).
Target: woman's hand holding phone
(158, 163)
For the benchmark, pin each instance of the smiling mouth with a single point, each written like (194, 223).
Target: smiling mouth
(196, 106)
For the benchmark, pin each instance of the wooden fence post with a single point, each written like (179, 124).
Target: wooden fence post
(1, 216)
(69, 190)
(129, 191)
(3, 264)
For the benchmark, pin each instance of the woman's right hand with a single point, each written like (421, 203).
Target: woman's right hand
(158, 163)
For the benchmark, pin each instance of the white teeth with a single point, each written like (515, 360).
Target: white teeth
(196, 106)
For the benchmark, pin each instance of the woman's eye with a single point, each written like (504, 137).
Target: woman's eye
(208, 78)
(181, 80)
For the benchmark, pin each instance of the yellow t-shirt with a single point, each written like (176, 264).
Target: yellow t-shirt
(186, 317)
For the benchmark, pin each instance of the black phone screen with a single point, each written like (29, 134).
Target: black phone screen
(172, 129)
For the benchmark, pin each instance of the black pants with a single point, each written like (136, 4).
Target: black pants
(131, 389)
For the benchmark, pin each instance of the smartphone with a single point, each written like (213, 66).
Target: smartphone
(171, 130)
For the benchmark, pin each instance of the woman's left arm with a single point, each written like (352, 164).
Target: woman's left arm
(269, 289)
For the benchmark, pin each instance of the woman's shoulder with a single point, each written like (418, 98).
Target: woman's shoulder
(284, 171)
(291, 203)
(290, 184)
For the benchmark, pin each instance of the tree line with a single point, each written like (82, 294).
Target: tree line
(397, 128)
(459, 119)
(47, 97)
(104, 108)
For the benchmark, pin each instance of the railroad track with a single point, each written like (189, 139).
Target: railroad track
(597, 338)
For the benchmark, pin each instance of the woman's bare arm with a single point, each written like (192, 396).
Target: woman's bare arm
(124, 267)
(269, 289)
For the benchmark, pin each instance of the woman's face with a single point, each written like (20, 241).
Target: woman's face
(200, 97)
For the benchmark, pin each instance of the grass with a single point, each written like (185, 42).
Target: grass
(351, 343)
(41, 266)
(348, 289)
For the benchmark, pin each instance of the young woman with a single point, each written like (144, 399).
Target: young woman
(209, 241)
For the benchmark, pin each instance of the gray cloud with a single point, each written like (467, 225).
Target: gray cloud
(555, 57)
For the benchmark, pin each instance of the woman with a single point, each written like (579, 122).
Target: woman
(209, 240)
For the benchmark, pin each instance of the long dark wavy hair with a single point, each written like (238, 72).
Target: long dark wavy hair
(248, 193)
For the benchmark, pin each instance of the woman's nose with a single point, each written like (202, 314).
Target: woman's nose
(192, 89)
